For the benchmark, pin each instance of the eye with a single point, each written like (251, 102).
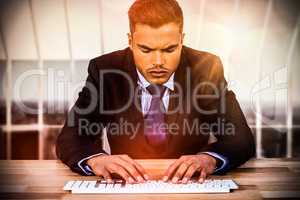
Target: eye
(145, 50)
(169, 50)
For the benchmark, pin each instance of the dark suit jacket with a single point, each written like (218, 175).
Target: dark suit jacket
(112, 92)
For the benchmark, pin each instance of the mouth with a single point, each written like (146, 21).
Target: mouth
(158, 73)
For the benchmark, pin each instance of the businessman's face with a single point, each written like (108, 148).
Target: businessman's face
(156, 51)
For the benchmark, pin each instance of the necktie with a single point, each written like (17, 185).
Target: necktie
(155, 131)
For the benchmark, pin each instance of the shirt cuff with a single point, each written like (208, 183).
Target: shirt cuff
(84, 167)
(221, 158)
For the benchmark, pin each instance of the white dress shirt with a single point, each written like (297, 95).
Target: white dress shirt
(146, 96)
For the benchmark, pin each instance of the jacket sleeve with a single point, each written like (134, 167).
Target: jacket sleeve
(81, 135)
(235, 140)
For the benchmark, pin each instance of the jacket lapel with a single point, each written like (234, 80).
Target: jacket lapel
(175, 106)
(135, 110)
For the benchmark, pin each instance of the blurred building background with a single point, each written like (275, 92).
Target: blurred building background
(45, 46)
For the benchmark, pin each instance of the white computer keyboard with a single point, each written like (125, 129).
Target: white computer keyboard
(101, 187)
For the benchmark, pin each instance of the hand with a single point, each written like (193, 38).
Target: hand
(184, 168)
(122, 165)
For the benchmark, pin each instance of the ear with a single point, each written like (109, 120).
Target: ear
(182, 37)
(129, 36)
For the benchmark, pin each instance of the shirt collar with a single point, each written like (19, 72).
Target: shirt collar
(144, 83)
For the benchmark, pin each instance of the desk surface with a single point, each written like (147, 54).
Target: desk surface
(258, 179)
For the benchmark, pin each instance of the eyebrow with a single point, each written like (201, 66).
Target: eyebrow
(151, 49)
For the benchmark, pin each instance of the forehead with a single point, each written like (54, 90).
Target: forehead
(157, 37)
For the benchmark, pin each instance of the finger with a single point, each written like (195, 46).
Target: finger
(118, 169)
(142, 171)
(139, 167)
(211, 169)
(181, 171)
(171, 169)
(189, 172)
(202, 176)
(130, 168)
(104, 173)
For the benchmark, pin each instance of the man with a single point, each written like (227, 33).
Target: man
(170, 98)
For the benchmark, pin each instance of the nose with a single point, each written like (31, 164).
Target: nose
(158, 59)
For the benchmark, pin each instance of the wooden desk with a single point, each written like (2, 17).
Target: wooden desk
(258, 179)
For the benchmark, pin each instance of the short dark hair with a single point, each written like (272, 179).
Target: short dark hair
(155, 13)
